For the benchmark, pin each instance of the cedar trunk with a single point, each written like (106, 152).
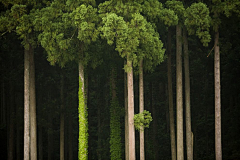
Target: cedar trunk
(180, 151)
(187, 98)
(33, 121)
(131, 129)
(170, 98)
(26, 104)
(218, 143)
(126, 116)
(141, 108)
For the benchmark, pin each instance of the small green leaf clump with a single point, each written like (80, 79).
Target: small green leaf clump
(142, 120)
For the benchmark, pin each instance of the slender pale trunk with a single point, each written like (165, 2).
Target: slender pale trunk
(170, 99)
(26, 105)
(83, 134)
(187, 97)
(131, 129)
(11, 133)
(180, 151)
(99, 141)
(62, 120)
(218, 143)
(141, 108)
(126, 116)
(33, 121)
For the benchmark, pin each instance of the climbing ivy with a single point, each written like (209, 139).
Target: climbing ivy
(142, 120)
(83, 125)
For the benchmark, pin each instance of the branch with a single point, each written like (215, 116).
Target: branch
(210, 51)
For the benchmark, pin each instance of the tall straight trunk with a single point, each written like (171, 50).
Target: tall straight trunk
(126, 115)
(70, 132)
(187, 97)
(26, 104)
(131, 129)
(218, 143)
(11, 133)
(33, 121)
(170, 98)
(83, 124)
(62, 119)
(141, 108)
(180, 151)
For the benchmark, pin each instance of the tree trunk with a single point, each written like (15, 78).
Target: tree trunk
(26, 104)
(187, 98)
(62, 119)
(180, 151)
(141, 108)
(126, 115)
(83, 132)
(33, 121)
(131, 129)
(218, 143)
(11, 133)
(170, 98)
(99, 141)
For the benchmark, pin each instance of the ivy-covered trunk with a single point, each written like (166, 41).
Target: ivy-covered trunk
(179, 99)
(170, 98)
(131, 129)
(83, 123)
(187, 97)
(115, 130)
(141, 108)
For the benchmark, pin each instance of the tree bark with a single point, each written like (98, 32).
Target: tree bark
(180, 151)
(26, 104)
(33, 121)
(218, 143)
(83, 133)
(131, 129)
(187, 97)
(62, 119)
(141, 108)
(170, 98)
(126, 116)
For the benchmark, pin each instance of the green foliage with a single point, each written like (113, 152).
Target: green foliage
(197, 21)
(142, 120)
(83, 125)
(177, 7)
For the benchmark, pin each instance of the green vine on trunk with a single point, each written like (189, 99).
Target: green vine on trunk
(142, 120)
(83, 125)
